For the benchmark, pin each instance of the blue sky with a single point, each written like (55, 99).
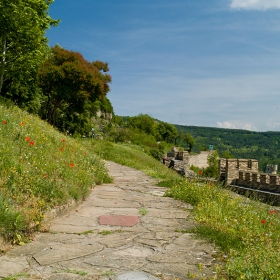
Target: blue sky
(213, 63)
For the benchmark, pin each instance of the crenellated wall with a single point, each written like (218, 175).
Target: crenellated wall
(244, 172)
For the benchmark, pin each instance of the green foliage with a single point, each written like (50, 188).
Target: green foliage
(144, 131)
(11, 220)
(143, 211)
(39, 169)
(143, 123)
(195, 169)
(227, 154)
(213, 165)
(189, 140)
(23, 48)
(167, 132)
(246, 231)
(70, 86)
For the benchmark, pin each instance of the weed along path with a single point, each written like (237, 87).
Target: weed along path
(124, 230)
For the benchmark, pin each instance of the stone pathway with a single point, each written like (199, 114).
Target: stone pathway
(124, 230)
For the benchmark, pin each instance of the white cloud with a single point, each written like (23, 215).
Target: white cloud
(272, 124)
(236, 125)
(226, 125)
(255, 4)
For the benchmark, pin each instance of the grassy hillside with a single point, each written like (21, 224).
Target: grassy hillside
(263, 146)
(40, 168)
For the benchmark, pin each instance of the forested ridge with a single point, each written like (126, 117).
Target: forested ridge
(262, 146)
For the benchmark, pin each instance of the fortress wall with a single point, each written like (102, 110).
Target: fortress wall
(199, 160)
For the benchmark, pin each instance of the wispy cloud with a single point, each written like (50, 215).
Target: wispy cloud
(236, 125)
(255, 4)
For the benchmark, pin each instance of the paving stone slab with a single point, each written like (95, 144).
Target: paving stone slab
(10, 265)
(62, 252)
(119, 220)
(135, 275)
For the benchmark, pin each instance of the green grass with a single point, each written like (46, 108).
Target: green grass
(17, 276)
(40, 168)
(247, 232)
(68, 270)
(132, 156)
(143, 211)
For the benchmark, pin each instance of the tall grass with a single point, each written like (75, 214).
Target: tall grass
(39, 168)
(246, 231)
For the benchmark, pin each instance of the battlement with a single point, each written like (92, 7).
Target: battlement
(259, 181)
(245, 173)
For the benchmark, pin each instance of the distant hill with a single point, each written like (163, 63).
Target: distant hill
(263, 146)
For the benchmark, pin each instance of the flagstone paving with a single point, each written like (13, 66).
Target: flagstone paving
(123, 230)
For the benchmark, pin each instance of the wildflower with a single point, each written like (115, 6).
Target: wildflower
(200, 172)
(71, 165)
(31, 143)
(63, 140)
(61, 149)
(27, 139)
(262, 221)
(46, 176)
(273, 212)
(4, 122)
(22, 124)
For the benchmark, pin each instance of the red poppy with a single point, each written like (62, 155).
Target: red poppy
(27, 138)
(200, 172)
(71, 165)
(61, 149)
(31, 143)
(262, 221)
(22, 124)
(273, 212)
(63, 140)
(46, 176)
(4, 122)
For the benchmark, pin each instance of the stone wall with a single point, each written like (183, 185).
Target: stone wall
(199, 160)
(259, 181)
(245, 173)
(229, 168)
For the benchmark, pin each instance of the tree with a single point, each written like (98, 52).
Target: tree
(188, 139)
(143, 122)
(70, 84)
(167, 132)
(23, 46)
(213, 165)
(227, 154)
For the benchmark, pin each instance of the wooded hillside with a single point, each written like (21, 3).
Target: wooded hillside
(263, 146)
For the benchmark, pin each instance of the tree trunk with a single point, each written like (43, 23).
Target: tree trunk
(2, 62)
